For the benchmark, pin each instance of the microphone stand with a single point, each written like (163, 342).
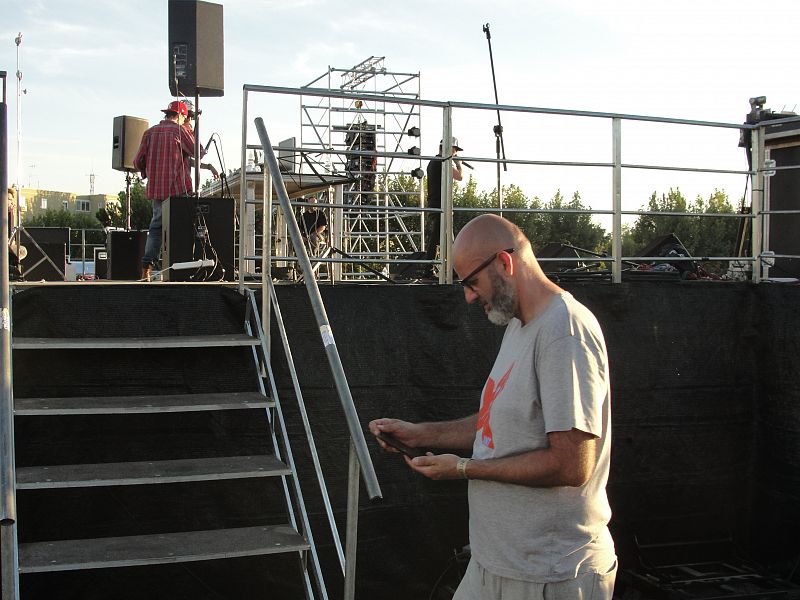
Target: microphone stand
(127, 200)
(222, 176)
(499, 144)
(197, 156)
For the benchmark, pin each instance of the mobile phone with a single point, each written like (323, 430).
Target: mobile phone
(395, 443)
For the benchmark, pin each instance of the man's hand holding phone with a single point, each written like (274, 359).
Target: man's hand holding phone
(398, 445)
(396, 436)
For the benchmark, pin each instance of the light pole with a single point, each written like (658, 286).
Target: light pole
(20, 91)
(18, 209)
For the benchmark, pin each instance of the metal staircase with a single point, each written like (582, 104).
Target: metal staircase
(166, 547)
(47, 539)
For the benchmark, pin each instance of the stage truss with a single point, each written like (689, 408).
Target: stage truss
(370, 141)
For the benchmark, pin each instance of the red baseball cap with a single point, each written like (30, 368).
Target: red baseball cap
(177, 107)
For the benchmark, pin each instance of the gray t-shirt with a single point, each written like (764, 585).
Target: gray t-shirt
(550, 375)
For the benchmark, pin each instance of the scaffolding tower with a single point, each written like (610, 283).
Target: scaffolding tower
(376, 144)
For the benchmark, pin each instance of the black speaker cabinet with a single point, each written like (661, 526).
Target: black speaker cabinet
(784, 194)
(182, 217)
(124, 254)
(559, 250)
(49, 263)
(669, 245)
(196, 49)
(128, 133)
(101, 263)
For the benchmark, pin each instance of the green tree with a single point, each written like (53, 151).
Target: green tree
(715, 236)
(702, 236)
(515, 198)
(62, 218)
(575, 229)
(468, 196)
(76, 222)
(629, 246)
(648, 227)
(403, 191)
(141, 209)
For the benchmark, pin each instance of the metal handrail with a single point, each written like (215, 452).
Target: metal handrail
(329, 93)
(617, 165)
(326, 333)
(312, 446)
(758, 171)
(252, 312)
(359, 458)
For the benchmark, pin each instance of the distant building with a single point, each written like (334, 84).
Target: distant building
(33, 202)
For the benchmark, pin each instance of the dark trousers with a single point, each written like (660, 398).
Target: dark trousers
(432, 226)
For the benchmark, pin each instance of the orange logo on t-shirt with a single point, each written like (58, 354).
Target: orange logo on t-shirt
(490, 394)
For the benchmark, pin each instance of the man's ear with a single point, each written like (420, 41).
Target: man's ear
(508, 262)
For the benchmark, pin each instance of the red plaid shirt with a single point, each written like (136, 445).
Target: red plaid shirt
(163, 159)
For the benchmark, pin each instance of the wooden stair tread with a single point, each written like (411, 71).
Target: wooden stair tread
(140, 404)
(184, 341)
(149, 472)
(187, 546)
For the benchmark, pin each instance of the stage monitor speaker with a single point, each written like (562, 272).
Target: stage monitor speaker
(50, 265)
(128, 132)
(101, 263)
(666, 246)
(784, 194)
(559, 250)
(408, 270)
(125, 250)
(196, 49)
(181, 218)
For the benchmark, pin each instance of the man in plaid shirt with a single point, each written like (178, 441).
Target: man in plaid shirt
(163, 159)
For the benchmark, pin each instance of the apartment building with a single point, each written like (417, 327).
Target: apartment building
(34, 201)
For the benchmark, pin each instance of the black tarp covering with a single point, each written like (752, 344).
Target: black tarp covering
(682, 359)
(777, 423)
(706, 422)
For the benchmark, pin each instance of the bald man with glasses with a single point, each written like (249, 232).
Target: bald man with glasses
(541, 440)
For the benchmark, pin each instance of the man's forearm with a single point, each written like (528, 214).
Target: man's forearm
(569, 460)
(449, 434)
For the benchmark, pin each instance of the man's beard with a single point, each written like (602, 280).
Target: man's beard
(503, 297)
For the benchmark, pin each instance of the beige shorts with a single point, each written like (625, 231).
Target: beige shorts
(479, 584)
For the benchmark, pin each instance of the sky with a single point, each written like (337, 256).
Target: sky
(86, 61)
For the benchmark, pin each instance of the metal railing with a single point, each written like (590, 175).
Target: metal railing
(359, 453)
(758, 217)
(283, 450)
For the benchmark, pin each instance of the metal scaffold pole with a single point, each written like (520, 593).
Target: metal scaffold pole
(8, 505)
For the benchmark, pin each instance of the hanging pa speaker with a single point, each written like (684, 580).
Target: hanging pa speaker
(128, 132)
(196, 49)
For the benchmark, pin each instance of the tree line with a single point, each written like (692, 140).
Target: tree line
(701, 235)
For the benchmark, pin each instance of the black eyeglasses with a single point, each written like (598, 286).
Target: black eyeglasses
(469, 280)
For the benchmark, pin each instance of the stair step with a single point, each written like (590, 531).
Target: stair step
(113, 405)
(187, 546)
(149, 472)
(184, 341)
